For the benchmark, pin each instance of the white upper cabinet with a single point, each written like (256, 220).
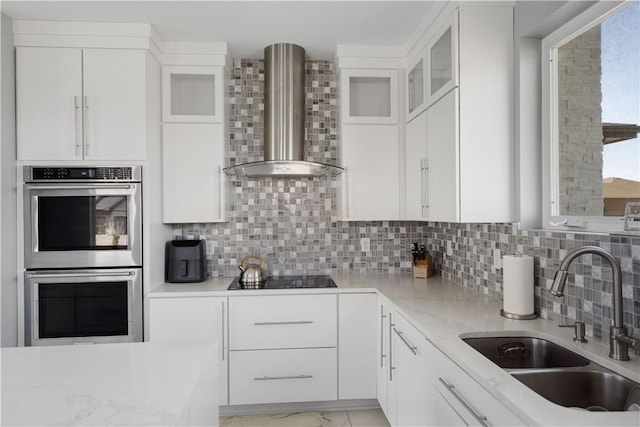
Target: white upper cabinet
(194, 187)
(416, 76)
(192, 94)
(416, 172)
(459, 154)
(81, 104)
(442, 60)
(369, 96)
(369, 189)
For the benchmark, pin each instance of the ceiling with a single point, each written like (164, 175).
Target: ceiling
(249, 26)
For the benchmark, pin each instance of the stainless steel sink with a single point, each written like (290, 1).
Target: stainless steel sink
(592, 389)
(558, 374)
(525, 352)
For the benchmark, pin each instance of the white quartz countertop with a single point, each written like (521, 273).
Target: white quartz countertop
(147, 384)
(444, 311)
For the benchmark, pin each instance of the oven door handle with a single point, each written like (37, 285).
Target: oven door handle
(80, 187)
(36, 275)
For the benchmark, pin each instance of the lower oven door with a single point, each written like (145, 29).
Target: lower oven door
(83, 306)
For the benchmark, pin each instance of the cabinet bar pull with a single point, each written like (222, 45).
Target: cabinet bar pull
(480, 418)
(223, 327)
(77, 121)
(289, 377)
(412, 347)
(382, 316)
(293, 322)
(85, 126)
(391, 368)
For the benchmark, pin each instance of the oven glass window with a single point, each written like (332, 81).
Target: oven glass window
(82, 309)
(82, 223)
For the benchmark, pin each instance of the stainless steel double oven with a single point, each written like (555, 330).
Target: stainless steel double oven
(82, 254)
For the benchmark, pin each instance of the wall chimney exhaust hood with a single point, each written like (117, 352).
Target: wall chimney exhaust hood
(284, 114)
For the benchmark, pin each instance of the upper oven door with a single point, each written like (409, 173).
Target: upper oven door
(80, 225)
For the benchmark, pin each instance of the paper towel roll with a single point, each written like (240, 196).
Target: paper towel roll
(517, 284)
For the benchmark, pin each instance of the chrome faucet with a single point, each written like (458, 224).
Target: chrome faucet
(619, 341)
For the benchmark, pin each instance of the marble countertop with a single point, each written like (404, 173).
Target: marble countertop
(444, 311)
(153, 384)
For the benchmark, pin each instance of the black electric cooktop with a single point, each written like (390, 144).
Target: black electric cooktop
(287, 282)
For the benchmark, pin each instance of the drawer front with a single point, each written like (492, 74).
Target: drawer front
(276, 376)
(283, 321)
(472, 401)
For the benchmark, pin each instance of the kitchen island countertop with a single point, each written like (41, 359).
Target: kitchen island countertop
(145, 384)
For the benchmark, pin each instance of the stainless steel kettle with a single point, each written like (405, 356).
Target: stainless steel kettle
(251, 272)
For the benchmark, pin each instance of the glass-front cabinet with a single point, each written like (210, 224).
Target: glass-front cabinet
(369, 96)
(415, 87)
(192, 94)
(442, 59)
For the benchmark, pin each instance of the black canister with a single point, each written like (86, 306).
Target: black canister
(185, 261)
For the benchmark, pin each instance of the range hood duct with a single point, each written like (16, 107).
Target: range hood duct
(284, 114)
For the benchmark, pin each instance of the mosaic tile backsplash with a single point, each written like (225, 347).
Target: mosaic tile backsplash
(292, 223)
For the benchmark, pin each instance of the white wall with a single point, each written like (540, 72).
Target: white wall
(8, 279)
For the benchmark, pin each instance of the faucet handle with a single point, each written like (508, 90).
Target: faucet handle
(579, 328)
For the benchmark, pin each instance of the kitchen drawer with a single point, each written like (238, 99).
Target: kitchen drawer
(468, 398)
(276, 376)
(282, 321)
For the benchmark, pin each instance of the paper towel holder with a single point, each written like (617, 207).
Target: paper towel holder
(517, 316)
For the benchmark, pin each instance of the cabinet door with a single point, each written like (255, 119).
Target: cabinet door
(411, 378)
(192, 94)
(382, 351)
(369, 96)
(49, 103)
(415, 172)
(416, 87)
(115, 116)
(187, 319)
(371, 182)
(442, 60)
(442, 172)
(193, 184)
(357, 355)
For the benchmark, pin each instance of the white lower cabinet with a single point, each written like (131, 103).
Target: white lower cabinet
(278, 376)
(357, 346)
(383, 348)
(461, 400)
(283, 348)
(192, 318)
(409, 380)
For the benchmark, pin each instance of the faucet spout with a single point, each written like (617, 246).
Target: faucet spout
(619, 345)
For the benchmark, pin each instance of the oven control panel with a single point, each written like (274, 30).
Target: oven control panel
(47, 173)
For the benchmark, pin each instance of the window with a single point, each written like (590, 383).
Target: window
(593, 119)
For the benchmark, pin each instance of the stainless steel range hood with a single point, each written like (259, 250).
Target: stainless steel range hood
(284, 113)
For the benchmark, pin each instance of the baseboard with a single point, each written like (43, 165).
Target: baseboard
(275, 408)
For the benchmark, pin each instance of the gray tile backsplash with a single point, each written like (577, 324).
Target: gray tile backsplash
(292, 223)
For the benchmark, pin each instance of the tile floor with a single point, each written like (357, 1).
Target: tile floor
(358, 418)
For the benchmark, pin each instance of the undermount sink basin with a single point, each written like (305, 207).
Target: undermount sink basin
(558, 374)
(525, 352)
(595, 390)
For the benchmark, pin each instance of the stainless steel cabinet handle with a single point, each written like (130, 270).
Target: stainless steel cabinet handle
(223, 325)
(36, 275)
(480, 418)
(294, 322)
(391, 367)
(94, 186)
(77, 120)
(382, 317)
(289, 377)
(220, 196)
(412, 347)
(84, 124)
(425, 185)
